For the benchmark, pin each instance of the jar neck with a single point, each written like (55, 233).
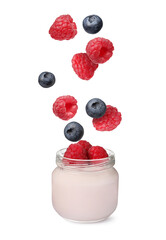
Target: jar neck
(84, 164)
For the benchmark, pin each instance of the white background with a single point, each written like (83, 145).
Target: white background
(133, 80)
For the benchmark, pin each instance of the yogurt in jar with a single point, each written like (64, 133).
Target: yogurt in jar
(85, 193)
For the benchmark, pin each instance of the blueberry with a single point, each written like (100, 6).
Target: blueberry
(46, 79)
(95, 108)
(73, 131)
(92, 24)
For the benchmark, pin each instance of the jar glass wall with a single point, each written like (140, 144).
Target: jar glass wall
(85, 192)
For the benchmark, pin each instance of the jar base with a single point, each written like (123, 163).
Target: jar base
(88, 221)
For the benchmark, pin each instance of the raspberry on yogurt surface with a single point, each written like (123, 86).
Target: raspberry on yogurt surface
(75, 151)
(79, 152)
(98, 153)
(85, 144)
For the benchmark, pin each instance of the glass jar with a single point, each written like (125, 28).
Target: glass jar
(85, 192)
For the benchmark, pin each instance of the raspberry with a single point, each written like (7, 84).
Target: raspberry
(63, 28)
(86, 145)
(109, 121)
(99, 50)
(83, 66)
(97, 152)
(75, 151)
(65, 107)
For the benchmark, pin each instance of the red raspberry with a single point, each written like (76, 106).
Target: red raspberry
(63, 28)
(83, 66)
(99, 50)
(86, 145)
(109, 121)
(75, 151)
(97, 152)
(65, 107)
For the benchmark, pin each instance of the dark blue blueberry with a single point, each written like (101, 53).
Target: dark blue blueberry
(46, 79)
(92, 24)
(73, 131)
(95, 108)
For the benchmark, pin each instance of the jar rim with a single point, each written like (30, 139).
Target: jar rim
(82, 163)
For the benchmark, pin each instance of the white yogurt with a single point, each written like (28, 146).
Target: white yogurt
(85, 194)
